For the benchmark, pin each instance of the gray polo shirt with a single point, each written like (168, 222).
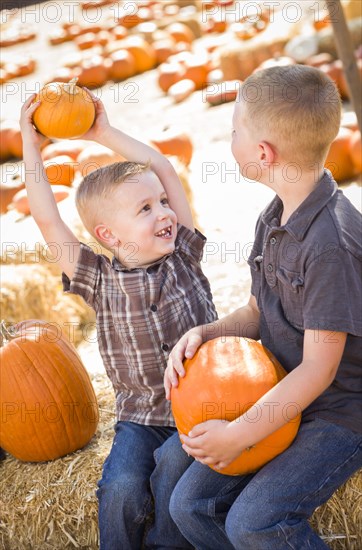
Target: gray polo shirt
(306, 274)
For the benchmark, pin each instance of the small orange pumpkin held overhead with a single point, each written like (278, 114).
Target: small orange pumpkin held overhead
(65, 110)
(223, 380)
(48, 404)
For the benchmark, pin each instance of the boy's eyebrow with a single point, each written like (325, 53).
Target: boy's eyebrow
(143, 201)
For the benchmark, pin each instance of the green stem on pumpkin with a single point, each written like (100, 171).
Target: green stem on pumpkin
(71, 86)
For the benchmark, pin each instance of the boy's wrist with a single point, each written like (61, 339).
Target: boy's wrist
(105, 135)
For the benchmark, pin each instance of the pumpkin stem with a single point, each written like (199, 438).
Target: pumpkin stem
(71, 86)
(7, 332)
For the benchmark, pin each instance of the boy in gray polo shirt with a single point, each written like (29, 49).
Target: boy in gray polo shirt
(151, 293)
(305, 306)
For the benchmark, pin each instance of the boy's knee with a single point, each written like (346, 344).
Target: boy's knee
(171, 457)
(180, 507)
(240, 534)
(128, 494)
(247, 524)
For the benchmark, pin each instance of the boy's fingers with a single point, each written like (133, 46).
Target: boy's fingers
(33, 106)
(29, 101)
(193, 344)
(197, 430)
(167, 388)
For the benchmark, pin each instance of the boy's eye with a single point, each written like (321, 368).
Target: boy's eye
(145, 208)
(164, 201)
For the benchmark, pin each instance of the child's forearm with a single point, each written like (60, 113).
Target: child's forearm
(244, 322)
(133, 150)
(42, 204)
(278, 406)
(295, 392)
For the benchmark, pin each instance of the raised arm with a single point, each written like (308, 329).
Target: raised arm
(41, 199)
(136, 151)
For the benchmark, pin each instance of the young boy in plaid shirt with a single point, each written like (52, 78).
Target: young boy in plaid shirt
(145, 299)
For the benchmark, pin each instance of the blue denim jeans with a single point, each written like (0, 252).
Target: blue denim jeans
(268, 510)
(133, 486)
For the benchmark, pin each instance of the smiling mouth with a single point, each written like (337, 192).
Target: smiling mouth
(165, 233)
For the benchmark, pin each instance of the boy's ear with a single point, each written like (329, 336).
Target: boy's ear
(267, 153)
(105, 235)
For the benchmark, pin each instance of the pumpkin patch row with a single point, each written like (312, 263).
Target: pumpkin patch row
(16, 66)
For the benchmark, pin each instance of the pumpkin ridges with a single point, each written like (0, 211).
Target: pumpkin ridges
(54, 441)
(58, 366)
(19, 389)
(37, 363)
(65, 110)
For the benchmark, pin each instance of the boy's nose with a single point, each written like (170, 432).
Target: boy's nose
(162, 214)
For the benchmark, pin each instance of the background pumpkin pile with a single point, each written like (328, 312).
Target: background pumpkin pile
(157, 67)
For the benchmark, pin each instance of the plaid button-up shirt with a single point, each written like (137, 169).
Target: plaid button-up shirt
(141, 314)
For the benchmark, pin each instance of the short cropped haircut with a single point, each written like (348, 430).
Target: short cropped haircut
(100, 184)
(297, 107)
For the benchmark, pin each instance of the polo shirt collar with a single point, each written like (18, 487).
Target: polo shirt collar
(301, 219)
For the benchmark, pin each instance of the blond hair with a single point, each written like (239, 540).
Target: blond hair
(98, 187)
(296, 107)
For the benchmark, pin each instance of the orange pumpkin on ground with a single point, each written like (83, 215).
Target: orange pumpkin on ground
(180, 32)
(339, 160)
(11, 143)
(223, 380)
(94, 71)
(163, 49)
(9, 186)
(356, 151)
(64, 147)
(95, 156)
(123, 65)
(197, 69)
(20, 201)
(169, 74)
(143, 53)
(223, 92)
(60, 170)
(174, 141)
(65, 110)
(48, 404)
(181, 90)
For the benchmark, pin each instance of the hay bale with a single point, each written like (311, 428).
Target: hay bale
(33, 291)
(53, 505)
(339, 521)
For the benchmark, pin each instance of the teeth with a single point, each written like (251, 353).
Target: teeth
(164, 232)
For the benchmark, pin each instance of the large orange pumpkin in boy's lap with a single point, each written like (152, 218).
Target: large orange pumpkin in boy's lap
(223, 380)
